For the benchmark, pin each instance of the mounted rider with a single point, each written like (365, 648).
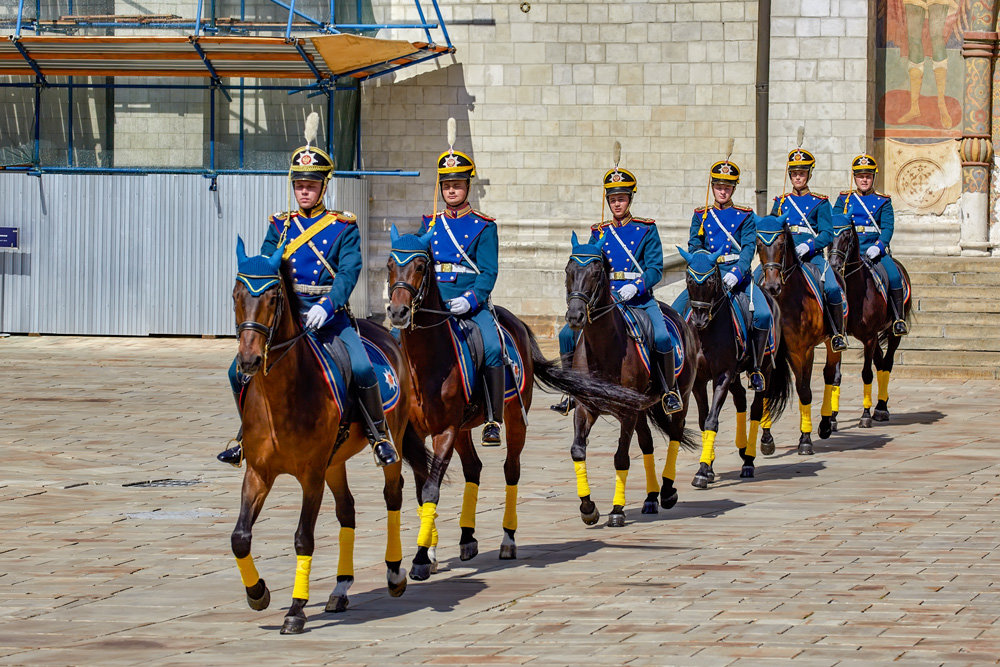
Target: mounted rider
(322, 249)
(871, 213)
(811, 222)
(725, 226)
(466, 260)
(633, 248)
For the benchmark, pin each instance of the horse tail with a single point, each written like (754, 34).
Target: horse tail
(595, 394)
(415, 453)
(779, 388)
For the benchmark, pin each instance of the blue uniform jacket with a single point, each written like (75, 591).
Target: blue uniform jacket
(880, 208)
(477, 235)
(642, 239)
(338, 241)
(807, 212)
(742, 225)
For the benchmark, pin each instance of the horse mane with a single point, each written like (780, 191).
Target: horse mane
(287, 283)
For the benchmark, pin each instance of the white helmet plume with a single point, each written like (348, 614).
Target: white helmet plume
(729, 148)
(312, 128)
(616, 153)
(800, 135)
(451, 134)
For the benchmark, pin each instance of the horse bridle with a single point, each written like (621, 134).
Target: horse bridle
(417, 298)
(711, 306)
(590, 300)
(842, 254)
(780, 267)
(268, 332)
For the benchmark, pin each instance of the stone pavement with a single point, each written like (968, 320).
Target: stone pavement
(881, 547)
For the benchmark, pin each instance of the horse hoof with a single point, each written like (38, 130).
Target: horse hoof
(668, 501)
(880, 415)
(746, 472)
(261, 603)
(866, 422)
(508, 552)
(650, 507)
(592, 517)
(338, 603)
(616, 520)
(825, 428)
(805, 448)
(420, 571)
(833, 422)
(766, 443)
(469, 550)
(294, 625)
(397, 588)
(700, 481)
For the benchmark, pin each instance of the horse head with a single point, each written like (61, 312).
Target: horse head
(411, 275)
(776, 249)
(586, 282)
(257, 302)
(704, 284)
(845, 242)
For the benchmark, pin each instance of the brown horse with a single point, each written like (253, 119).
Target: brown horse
(803, 321)
(438, 406)
(870, 315)
(607, 351)
(293, 425)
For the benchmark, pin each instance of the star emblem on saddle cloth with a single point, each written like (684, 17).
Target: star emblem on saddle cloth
(307, 158)
(389, 378)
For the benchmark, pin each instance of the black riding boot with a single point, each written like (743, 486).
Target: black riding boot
(838, 341)
(495, 389)
(896, 301)
(566, 405)
(234, 455)
(671, 399)
(759, 342)
(382, 447)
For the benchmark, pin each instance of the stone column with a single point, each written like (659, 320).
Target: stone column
(978, 49)
(994, 213)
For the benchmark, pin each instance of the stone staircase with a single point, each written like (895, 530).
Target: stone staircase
(955, 327)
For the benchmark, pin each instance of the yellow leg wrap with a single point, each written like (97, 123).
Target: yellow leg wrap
(469, 500)
(707, 447)
(866, 401)
(649, 465)
(883, 385)
(393, 546)
(345, 562)
(741, 430)
(765, 420)
(835, 400)
(620, 477)
(510, 507)
(670, 466)
(248, 571)
(582, 487)
(752, 438)
(427, 512)
(303, 564)
(805, 417)
(827, 408)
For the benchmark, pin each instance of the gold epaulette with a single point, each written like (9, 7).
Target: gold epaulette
(346, 216)
(645, 221)
(882, 194)
(743, 208)
(281, 215)
(484, 216)
(846, 193)
(818, 195)
(701, 209)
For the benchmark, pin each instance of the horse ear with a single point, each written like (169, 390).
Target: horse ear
(426, 238)
(393, 233)
(241, 251)
(275, 259)
(717, 254)
(575, 240)
(783, 219)
(684, 253)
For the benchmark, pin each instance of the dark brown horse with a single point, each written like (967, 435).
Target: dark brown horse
(293, 425)
(803, 322)
(606, 351)
(870, 316)
(722, 361)
(438, 406)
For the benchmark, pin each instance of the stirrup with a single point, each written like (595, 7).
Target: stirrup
(671, 402)
(899, 328)
(491, 434)
(232, 455)
(838, 342)
(565, 406)
(757, 380)
(384, 453)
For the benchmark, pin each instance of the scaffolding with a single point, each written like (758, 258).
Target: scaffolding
(332, 57)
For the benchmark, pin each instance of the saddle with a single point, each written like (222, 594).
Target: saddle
(468, 344)
(333, 359)
(743, 320)
(640, 330)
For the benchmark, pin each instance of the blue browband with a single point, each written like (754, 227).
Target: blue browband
(405, 256)
(584, 259)
(770, 227)
(257, 285)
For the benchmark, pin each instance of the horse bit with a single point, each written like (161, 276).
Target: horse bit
(417, 299)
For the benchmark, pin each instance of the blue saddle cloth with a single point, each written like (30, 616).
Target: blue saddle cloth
(468, 345)
(881, 278)
(337, 371)
(742, 319)
(640, 331)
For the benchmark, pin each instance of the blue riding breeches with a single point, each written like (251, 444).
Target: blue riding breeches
(662, 340)
(895, 278)
(761, 309)
(831, 288)
(338, 326)
(491, 337)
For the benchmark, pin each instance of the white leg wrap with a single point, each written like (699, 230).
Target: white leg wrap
(340, 590)
(395, 578)
(507, 541)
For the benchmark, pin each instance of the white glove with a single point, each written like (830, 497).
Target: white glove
(730, 280)
(315, 317)
(873, 252)
(459, 306)
(627, 291)
(801, 249)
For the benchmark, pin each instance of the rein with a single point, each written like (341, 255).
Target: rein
(268, 333)
(417, 300)
(590, 301)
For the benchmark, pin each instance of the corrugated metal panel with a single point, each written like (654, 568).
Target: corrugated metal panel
(138, 255)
